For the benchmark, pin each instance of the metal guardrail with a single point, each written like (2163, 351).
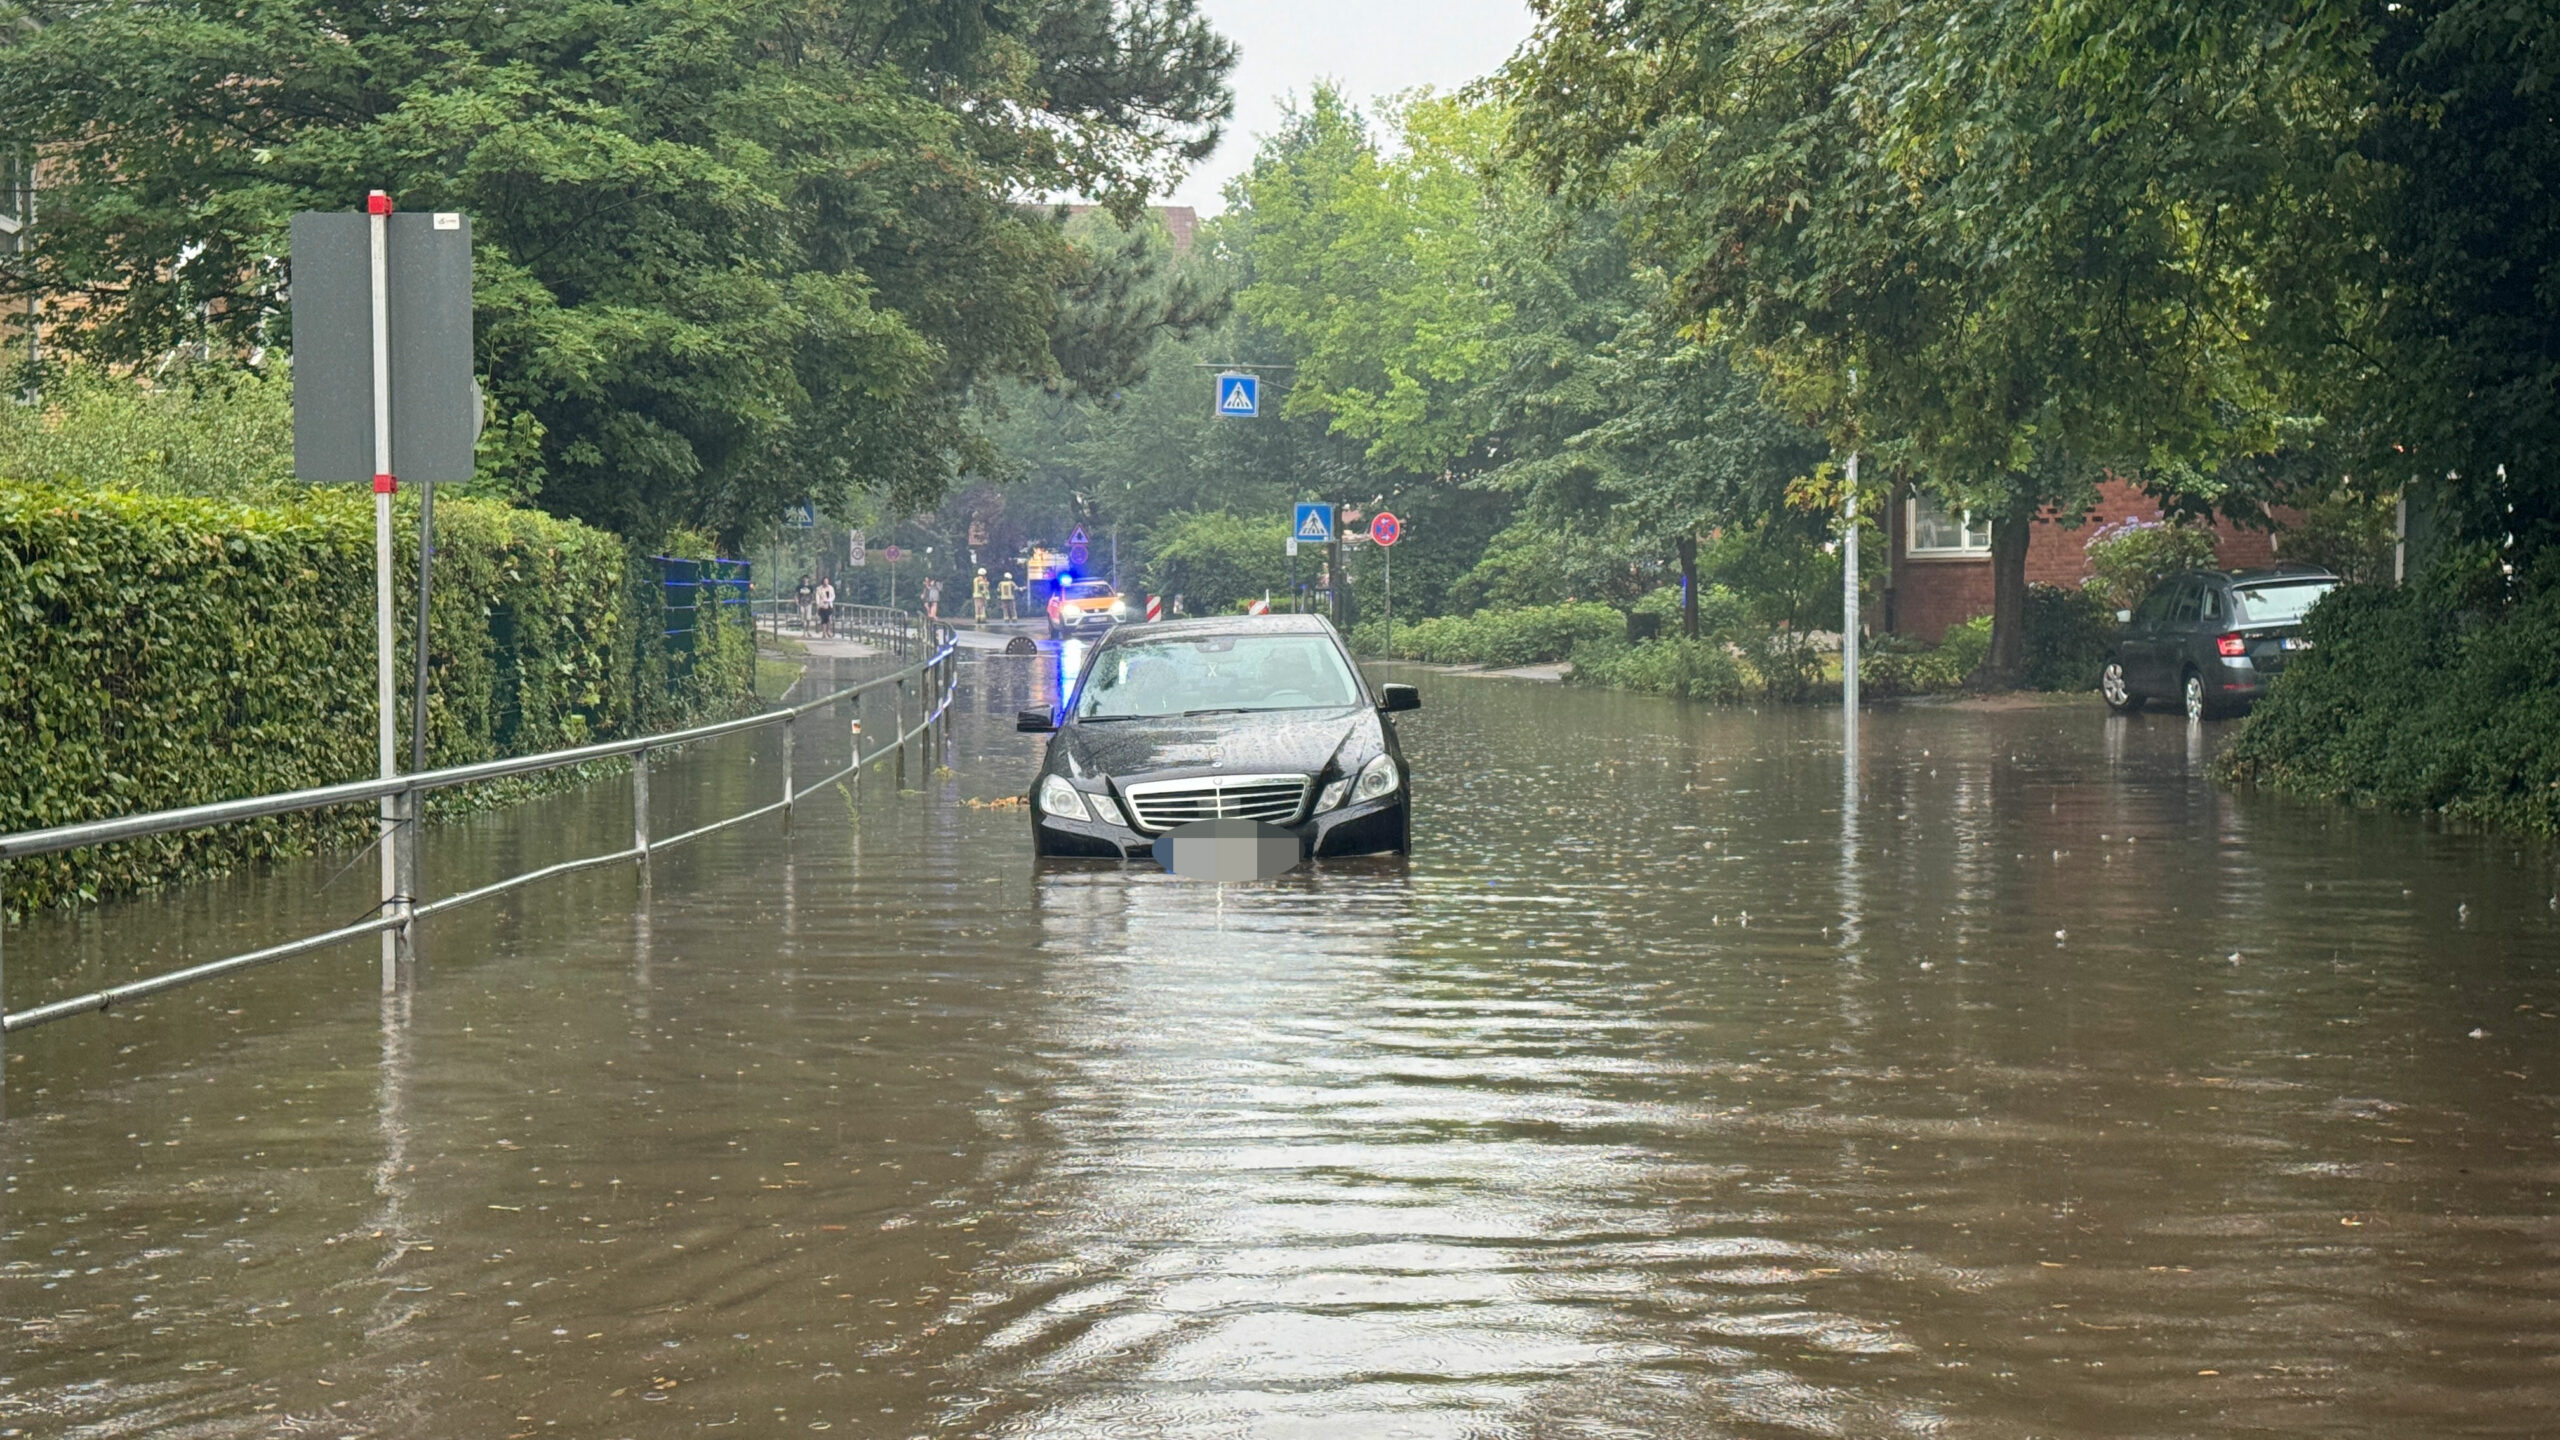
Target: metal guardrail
(875, 623)
(937, 673)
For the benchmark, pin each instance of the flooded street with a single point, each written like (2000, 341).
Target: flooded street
(2023, 1085)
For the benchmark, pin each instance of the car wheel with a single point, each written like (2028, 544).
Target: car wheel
(2120, 697)
(2200, 706)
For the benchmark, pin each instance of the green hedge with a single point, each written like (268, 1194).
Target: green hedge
(2408, 703)
(158, 651)
(1531, 635)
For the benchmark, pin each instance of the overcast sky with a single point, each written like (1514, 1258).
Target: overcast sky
(1371, 47)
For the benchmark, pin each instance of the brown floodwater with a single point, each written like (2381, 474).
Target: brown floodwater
(2028, 1086)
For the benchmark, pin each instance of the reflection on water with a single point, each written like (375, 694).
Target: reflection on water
(1701, 1075)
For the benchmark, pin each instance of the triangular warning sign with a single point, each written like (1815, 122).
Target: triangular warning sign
(1238, 399)
(1313, 528)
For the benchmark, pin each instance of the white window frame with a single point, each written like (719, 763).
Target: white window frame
(1967, 549)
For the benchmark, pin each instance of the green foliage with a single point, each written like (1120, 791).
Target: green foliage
(1703, 669)
(2070, 633)
(2345, 533)
(167, 650)
(2127, 559)
(1214, 559)
(1531, 636)
(1369, 259)
(1892, 665)
(2404, 705)
(219, 432)
(729, 255)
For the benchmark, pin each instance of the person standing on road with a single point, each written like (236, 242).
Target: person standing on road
(806, 598)
(978, 598)
(932, 598)
(827, 608)
(1006, 592)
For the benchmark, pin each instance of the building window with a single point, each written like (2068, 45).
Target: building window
(1938, 530)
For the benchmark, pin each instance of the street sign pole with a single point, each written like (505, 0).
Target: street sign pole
(1849, 612)
(378, 217)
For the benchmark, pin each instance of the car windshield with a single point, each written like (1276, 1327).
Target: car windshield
(1178, 675)
(2280, 602)
(1087, 590)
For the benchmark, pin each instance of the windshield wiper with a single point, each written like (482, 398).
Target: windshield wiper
(1225, 710)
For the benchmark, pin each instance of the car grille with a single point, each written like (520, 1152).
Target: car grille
(1160, 805)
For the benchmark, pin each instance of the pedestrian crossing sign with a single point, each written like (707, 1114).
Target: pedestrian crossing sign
(1239, 396)
(1314, 524)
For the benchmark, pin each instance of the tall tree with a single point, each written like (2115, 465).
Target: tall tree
(2031, 230)
(729, 254)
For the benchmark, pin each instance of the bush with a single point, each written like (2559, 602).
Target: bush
(1890, 665)
(2127, 558)
(1674, 665)
(2403, 705)
(1533, 635)
(164, 650)
(2069, 633)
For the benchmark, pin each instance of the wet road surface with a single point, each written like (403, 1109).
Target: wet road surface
(2028, 1087)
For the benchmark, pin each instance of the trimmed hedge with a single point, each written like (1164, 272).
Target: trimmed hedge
(158, 651)
(1531, 635)
(2407, 703)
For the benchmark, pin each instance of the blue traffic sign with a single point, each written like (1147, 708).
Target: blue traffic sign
(1313, 524)
(1239, 396)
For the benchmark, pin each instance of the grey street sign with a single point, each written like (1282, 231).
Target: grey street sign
(435, 407)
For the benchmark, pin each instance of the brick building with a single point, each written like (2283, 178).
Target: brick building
(1941, 558)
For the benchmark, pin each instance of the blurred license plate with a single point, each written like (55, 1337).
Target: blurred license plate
(2296, 642)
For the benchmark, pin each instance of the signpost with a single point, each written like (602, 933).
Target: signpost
(1312, 523)
(856, 552)
(1239, 395)
(800, 515)
(1077, 550)
(1384, 531)
(382, 388)
(891, 555)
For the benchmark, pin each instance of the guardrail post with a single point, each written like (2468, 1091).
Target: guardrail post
(404, 941)
(640, 805)
(786, 772)
(898, 711)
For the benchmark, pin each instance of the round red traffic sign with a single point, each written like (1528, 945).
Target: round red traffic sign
(1386, 529)
(891, 554)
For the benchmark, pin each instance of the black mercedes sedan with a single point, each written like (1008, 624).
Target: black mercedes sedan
(1238, 717)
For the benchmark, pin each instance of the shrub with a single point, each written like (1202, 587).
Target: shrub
(1532, 635)
(1674, 665)
(163, 650)
(1890, 665)
(2069, 633)
(2127, 558)
(2404, 705)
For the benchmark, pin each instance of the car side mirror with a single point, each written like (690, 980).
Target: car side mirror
(1035, 722)
(1394, 698)
(2124, 617)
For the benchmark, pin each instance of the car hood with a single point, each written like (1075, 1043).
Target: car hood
(1273, 741)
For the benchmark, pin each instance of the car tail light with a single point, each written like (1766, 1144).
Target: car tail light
(2231, 645)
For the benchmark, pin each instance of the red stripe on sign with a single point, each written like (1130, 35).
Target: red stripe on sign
(1155, 607)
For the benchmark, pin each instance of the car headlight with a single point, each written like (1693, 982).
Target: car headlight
(1061, 799)
(1333, 793)
(1377, 778)
(1105, 810)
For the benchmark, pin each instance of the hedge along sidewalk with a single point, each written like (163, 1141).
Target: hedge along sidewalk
(159, 651)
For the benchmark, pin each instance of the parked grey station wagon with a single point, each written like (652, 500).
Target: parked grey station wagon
(2211, 640)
